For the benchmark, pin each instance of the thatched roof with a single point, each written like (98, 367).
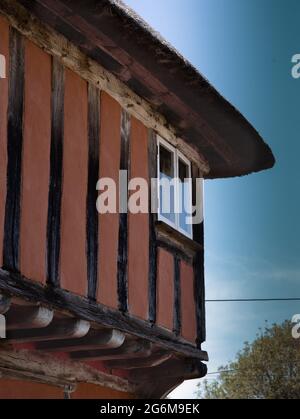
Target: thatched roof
(115, 36)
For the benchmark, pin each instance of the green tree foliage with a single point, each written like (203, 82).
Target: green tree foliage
(268, 368)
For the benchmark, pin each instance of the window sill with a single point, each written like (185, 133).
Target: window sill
(171, 236)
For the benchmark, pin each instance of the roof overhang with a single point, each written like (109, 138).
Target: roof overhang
(114, 36)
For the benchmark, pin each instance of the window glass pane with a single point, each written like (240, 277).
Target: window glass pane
(167, 184)
(184, 196)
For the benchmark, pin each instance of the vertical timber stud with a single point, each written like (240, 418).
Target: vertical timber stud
(56, 163)
(152, 156)
(93, 175)
(177, 296)
(123, 226)
(199, 282)
(14, 151)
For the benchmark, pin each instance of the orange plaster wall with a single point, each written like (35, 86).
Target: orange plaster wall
(35, 183)
(188, 309)
(90, 391)
(73, 265)
(138, 227)
(13, 389)
(35, 162)
(4, 50)
(110, 148)
(165, 289)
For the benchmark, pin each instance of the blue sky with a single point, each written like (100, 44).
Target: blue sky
(244, 48)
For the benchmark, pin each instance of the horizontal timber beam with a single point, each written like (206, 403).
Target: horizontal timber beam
(14, 374)
(58, 299)
(43, 368)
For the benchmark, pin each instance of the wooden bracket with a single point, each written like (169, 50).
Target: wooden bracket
(58, 329)
(128, 364)
(188, 369)
(158, 382)
(130, 349)
(31, 317)
(95, 339)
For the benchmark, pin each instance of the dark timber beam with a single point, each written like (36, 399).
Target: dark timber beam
(199, 274)
(93, 176)
(79, 307)
(152, 167)
(58, 329)
(26, 317)
(130, 349)
(14, 151)
(128, 364)
(177, 297)
(56, 163)
(199, 292)
(187, 369)
(123, 221)
(94, 340)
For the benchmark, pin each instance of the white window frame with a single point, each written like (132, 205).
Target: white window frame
(177, 156)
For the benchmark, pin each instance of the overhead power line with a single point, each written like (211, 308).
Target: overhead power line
(293, 361)
(220, 372)
(250, 300)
